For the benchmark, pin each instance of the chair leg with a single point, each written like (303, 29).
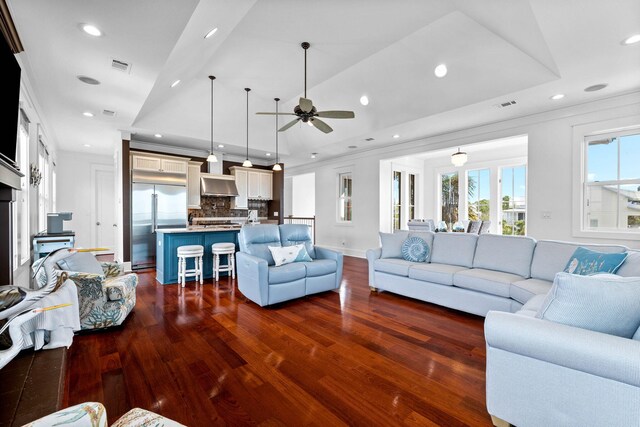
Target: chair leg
(184, 272)
(179, 270)
(217, 267)
(232, 261)
(200, 269)
(499, 422)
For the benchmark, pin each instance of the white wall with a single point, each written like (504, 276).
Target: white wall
(75, 193)
(303, 195)
(550, 162)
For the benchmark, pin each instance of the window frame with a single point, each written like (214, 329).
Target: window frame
(343, 200)
(20, 210)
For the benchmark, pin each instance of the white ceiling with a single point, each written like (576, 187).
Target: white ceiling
(495, 50)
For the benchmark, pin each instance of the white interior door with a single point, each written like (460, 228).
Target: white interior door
(104, 219)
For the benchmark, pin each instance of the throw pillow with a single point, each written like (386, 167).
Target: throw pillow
(287, 254)
(603, 303)
(585, 262)
(415, 249)
(82, 262)
(392, 244)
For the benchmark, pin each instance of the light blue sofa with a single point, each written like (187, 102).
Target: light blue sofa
(265, 284)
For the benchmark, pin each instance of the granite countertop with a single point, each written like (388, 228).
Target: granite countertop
(199, 229)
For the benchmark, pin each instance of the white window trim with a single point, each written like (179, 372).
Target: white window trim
(580, 132)
(338, 183)
(405, 170)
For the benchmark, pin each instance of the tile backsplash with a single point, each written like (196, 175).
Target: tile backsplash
(220, 206)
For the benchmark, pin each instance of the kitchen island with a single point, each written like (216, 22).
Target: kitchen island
(168, 241)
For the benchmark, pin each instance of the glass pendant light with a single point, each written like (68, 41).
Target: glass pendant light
(277, 166)
(212, 157)
(459, 158)
(247, 162)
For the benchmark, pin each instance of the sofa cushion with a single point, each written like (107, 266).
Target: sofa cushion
(454, 248)
(398, 267)
(441, 274)
(82, 262)
(295, 234)
(636, 336)
(531, 308)
(415, 249)
(631, 266)
(511, 254)
(320, 267)
(256, 239)
(287, 273)
(487, 281)
(587, 262)
(392, 244)
(603, 303)
(551, 257)
(523, 290)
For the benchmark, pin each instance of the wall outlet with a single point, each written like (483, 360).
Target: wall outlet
(546, 215)
(275, 214)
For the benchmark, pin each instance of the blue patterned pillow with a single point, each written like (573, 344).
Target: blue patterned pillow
(586, 262)
(415, 249)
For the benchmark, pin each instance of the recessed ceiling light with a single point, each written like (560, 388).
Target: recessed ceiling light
(594, 88)
(268, 154)
(176, 83)
(220, 145)
(557, 96)
(87, 114)
(88, 80)
(157, 135)
(87, 145)
(92, 30)
(396, 136)
(440, 71)
(313, 155)
(364, 100)
(210, 33)
(631, 40)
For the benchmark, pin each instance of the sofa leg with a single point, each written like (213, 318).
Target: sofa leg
(499, 422)
(373, 289)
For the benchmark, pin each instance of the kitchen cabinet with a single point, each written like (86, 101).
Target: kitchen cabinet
(253, 191)
(266, 186)
(158, 164)
(241, 200)
(253, 184)
(193, 185)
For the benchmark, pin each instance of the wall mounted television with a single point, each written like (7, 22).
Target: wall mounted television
(9, 102)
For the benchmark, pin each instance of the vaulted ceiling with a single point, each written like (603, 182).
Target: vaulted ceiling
(495, 51)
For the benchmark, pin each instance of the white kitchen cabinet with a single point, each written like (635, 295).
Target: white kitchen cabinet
(158, 164)
(193, 185)
(173, 166)
(266, 185)
(241, 200)
(254, 185)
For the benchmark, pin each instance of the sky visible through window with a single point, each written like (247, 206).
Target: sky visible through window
(514, 182)
(603, 159)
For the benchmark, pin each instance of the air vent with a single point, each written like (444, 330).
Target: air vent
(507, 104)
(369, 139)
(116, 64)
(88, 80)
(108, 113)
(352, 147)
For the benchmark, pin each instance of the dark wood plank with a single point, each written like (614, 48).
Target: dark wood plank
(204, 355)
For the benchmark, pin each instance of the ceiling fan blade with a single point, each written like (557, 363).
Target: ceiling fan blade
(336, 114)
(275, 114)
(321, 125)
(288, 125)
(306, 105)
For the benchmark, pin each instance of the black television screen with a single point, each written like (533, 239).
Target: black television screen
(9, 102)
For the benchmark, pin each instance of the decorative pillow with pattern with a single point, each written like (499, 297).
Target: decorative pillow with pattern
(415, 249)
(288, 254)
(586, 262)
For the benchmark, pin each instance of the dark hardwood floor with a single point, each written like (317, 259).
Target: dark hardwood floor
(205, 356)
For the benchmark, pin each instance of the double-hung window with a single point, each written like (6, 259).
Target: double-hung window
(21, 238)
(345, 189)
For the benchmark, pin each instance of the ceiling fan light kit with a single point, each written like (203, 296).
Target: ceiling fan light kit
(459, 158)
(247, 162)
(212, 158)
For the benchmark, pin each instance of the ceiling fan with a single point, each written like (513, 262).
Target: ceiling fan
(305, 110)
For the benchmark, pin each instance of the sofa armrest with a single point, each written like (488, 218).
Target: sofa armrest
(598, 354)
(253, 278)
(119, 287)
(338, 257)
(89, 285)
(372, 255)
(112, 269)
(87, 414)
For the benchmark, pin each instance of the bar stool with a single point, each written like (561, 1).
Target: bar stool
(228, 249)
(190, 251)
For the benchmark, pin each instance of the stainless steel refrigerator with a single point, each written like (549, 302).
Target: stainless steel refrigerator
(154, 206)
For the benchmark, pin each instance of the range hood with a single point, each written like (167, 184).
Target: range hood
(217, 185)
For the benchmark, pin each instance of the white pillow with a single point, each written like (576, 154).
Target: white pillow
(287, 254)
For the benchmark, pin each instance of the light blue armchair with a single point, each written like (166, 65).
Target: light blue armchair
(264, 283)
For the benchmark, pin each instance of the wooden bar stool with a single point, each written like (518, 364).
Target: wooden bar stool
(191, 251)
(228, 249)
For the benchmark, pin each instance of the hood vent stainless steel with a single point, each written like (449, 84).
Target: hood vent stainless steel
(218, 185)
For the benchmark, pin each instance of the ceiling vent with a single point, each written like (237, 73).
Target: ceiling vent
(116, 64)
(108, 113)
(506, 104)
(369, 139)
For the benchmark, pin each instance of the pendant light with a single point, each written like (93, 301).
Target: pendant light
(459, 158)
(277, 166)
(247, 162)
(212, 157)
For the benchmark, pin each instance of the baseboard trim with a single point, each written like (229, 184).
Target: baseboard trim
(358, 253)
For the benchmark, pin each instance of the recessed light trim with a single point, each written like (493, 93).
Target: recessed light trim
(220, 145)
(557, 96)
(313, 155)
(176, 83)
(211, 32)
(88, 80)
(440, 71)
(87, 114)
(364, 100)
(595, 88)
(92, 30)
(396, 136)
(87, 145)
(631, 40)
(268, 154)
(158, 135)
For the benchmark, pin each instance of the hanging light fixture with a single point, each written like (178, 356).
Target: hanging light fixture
(247, 162)
(459, 158)
(277, 166)
(212, 157)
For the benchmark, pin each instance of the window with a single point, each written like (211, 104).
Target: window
(21, 238)
(43, 188)
(513, 181)
(479, 195)
(612, 182)
(345, 190)
(449, 198)
(396, 194)
(412, 196)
